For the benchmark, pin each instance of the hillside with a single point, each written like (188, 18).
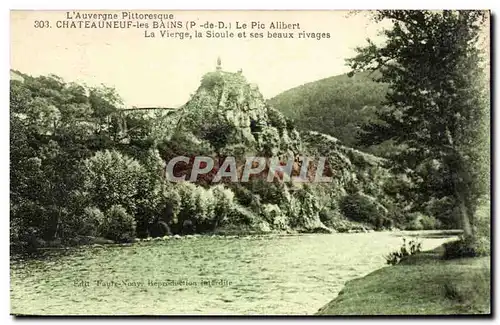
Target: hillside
(337, 105)
(227, 116)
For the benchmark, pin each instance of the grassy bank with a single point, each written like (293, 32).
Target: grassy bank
(421, 284)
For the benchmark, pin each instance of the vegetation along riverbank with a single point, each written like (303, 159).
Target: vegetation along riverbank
(425, 283)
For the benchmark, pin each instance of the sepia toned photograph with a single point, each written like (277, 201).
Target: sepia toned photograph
(250, 163)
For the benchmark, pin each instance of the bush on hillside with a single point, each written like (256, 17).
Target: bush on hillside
(243, 195)
(482, 220)
(205, 208)
(430, 223)
(119, 225)
(445, 209)
(407, 248)
(240, 215)
(361, 208)
(276, 119)
(274, 216)
(303, 209)
(330, 217)
(467, 247)
(111, 178)
(420, 221)
(224, 204)
(89, 223)
(273, 193)
(269, 141)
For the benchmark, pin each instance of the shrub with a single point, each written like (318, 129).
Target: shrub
(276, 119)
(32, 220)
(482, 246)
(329, 217)
(270, 211)
(407, 249)
(119, 225)
(243, 195)
(303, 209)
(467, 247)
(482, 220)
(415, 224)
(247, 198)
(274, 216)
(185, 200)
(263, 227)
(280, 222)
(89, 223)
(429, 222)
(420, 221)
(445, 209)
(205, 208)
(111, 178)
(270, 139)
(413, 221)
(273, 193)
(224, 203)
(159, 229)
(27, 220)
(241, 215)
(361, 208)
(150, 198)
(173, 201)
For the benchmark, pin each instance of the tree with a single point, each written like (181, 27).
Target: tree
(54, 126)
(111, 178)
(437, 105)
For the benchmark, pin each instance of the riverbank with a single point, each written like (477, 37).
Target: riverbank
(233, 231)
(422, 284)
(228, 233)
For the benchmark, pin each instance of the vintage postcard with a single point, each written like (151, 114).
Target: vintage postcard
(250, 162)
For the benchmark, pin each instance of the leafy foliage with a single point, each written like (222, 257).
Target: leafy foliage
(407, 249)
(54, 126)
(89, 223)
(436, 109)
(362, 208)
(274, 216)
(119, 225)
(111, 178)
(467, 246)
(303, 209)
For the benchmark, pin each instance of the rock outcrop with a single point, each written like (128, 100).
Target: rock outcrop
(227, 116)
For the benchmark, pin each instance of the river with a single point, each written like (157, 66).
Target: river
(254, 275)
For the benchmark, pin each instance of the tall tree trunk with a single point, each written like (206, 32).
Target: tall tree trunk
(460, 188)
(465, 220)
(461, 199)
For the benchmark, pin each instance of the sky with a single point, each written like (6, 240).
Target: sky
(163, 72)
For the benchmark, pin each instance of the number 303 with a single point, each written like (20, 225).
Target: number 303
(42, 24)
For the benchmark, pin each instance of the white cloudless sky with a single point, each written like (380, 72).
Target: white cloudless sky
(164, 72)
